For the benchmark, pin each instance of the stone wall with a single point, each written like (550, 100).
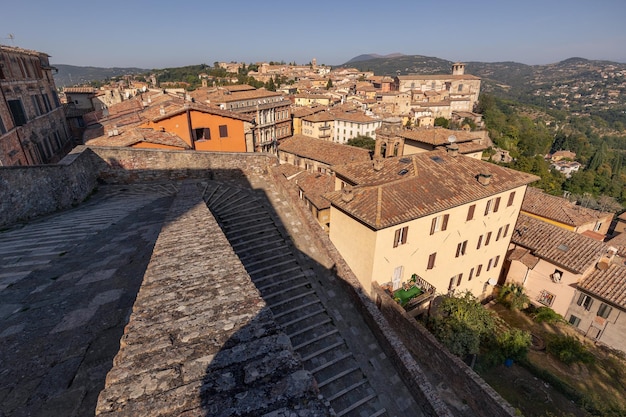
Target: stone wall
(29, 192)
(473, 391)
(127, 165)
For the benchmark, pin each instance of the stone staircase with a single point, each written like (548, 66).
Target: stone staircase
(288, 286)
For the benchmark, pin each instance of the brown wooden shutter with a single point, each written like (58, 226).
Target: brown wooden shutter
(396, 238)
(470, 212)
(433, 224)
(497, 205)
(405, 232)
(444, 226)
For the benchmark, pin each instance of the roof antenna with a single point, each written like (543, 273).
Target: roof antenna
(11, 37)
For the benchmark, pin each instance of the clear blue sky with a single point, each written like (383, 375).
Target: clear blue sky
(158, 34)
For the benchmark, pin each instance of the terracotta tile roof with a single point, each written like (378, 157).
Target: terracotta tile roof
(609, 285)
(419, 185)
(137, 135)
(314, 186)
(355, 116)
(323, 151)
(320, 117)
(559, 209)
(524, 256)
(556, 245)
(287, 170)
(438, 136)
(470, 147)
(619, 242)
(306, 111)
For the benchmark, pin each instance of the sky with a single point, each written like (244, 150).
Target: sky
(160, 34)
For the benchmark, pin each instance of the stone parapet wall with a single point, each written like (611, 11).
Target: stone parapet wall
(128, 165)
(27, 192)
(33, 191)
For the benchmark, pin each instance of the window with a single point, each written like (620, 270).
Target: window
(470, 212)
(223, 131)
(498, 235)
(3, 129)
(451, 285)
(506, 230)
(459, 279)
(495, 264)
(46, 102)
(574, 321)
(479, 270)
(471, 274)
(488, 238)
(400, 236)
(460, 248)
(431, 260)
(203, 133)
(480, 241)
(496, 205)
(598, 226)
(17, 111)
(585, 301)
(36, 105)
(604, 310)
(492, 204)
(439, 223)
(489, 264)
(511, 199)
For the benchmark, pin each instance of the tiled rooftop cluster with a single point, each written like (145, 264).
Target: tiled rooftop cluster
(320, 150)
(571, 250)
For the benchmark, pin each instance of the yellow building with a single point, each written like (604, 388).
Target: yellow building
(448, 219)
(319, 125)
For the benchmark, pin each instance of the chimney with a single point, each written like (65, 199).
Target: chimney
(484, 177)
(453, 150)
(379, 163)
(162, 111)
(347, 194)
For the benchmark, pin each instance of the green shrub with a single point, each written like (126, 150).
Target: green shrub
(512, 296)
(568, 349)
(546, 315)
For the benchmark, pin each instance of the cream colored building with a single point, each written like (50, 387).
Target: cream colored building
(320, 125)
(598, 307)
(446, 218)
(350, 124)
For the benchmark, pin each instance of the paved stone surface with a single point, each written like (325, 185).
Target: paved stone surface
(364, 381)
(202, 340)
(67, 284)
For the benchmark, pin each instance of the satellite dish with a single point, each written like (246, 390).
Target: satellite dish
(451, 138)
(492, 281)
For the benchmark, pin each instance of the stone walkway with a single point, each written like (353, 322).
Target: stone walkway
(68, 284)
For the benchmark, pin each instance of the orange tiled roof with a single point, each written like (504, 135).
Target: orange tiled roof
(609, 285)
(323, 151)
(619, 242)
(137, 135)
(559, 209)
(558, 246)
(437, 136)
(79, 90)
(355, 116)
(314, 186)
(319, 117)
(419, 185)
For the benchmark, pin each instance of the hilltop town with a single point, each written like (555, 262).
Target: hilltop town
(234, 252)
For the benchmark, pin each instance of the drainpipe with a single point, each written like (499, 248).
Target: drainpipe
(193, 144)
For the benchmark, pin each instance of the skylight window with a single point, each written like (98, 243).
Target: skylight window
(437, 159)
(563, 247)
(405, 160)
(403, 172)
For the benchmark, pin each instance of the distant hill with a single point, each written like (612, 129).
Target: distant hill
(70, 75)
(367, 57)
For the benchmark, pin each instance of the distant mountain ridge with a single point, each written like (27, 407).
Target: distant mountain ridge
(69, 75)
(367, 57)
